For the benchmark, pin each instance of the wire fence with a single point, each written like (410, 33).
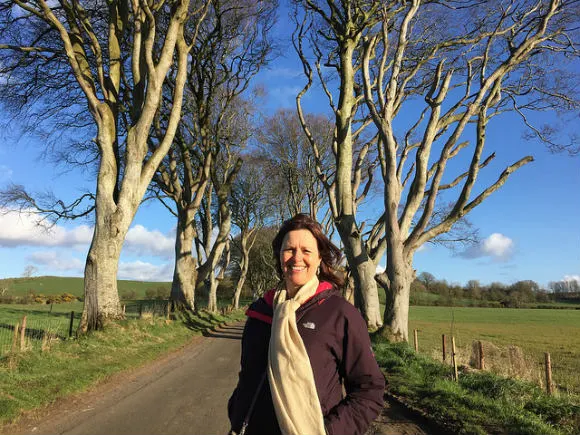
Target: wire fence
(510, 361)
(38, 331)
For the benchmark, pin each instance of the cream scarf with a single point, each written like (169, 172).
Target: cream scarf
(289, 371)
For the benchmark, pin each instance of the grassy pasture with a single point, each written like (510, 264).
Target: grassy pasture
(54, 285)
(55, 319)
(535, 331)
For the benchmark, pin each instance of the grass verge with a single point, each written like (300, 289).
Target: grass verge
(33, 379)
(480, 403)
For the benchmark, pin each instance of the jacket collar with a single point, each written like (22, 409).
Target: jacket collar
(262, 309)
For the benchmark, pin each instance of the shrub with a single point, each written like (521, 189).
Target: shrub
(8, 299)
(129, 295)
(162, 293)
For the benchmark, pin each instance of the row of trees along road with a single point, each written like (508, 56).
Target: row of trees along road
(163, 87)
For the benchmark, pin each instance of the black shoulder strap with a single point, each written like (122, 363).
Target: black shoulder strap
(251, 409)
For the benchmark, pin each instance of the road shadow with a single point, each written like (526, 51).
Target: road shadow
(230, 332)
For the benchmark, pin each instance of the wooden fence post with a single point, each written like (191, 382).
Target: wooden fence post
(481, 356)
(140, 309)
(44, 345)
(70, 326)
(416, 341)
(454, 359)
(443, 346)
(23, 334)
(549, 385)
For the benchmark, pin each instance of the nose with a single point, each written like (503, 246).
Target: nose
(297, 256)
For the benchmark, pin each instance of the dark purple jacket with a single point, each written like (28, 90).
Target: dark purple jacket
(338, 345)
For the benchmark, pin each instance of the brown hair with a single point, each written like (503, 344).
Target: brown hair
(329, 253)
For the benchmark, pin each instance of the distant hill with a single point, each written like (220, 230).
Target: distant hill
(56, 285)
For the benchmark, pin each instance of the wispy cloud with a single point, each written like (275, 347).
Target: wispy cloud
(496, 246)
(53, 260)
(569, 278)
(283, 73)
(143, 271)
(23, 229)
(141, 241)
(285, 96)
(5, 173)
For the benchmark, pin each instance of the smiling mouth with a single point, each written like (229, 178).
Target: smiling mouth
(297, 268)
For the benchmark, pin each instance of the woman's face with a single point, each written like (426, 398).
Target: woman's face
(299, 258)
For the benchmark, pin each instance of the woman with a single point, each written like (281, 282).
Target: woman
(302, 344)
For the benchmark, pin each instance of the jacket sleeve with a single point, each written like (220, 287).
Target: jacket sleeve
(253, 365)
(363, 381)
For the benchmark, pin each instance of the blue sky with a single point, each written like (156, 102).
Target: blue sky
(529, 229)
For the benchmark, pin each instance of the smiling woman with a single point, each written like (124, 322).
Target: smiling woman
(308, 342)
(300, 259)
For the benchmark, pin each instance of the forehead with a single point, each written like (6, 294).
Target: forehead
(299, 238)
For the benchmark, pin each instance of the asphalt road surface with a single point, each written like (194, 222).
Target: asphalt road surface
(185, 392)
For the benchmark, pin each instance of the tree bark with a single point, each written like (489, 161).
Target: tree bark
(363, 271)
(111, 225)
(396, 320)
(244, 265)
(397, 286)
(184, 272)
(101, 296)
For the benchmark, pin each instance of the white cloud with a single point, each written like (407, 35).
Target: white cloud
(23, 229)
(142, 271)
(285, 96)
(142, 241)
(569, 278)
(54, 260)
(496, 246)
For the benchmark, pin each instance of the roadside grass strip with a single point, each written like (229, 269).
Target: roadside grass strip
(33, 379)
(480, 403)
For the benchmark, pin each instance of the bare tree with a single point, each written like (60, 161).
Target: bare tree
(457, 65)
(466, 77)
(120, 54)
(290, 162)
(222, 180)
(327, 39)
(252, 205)
(232, 45)
(262, 274)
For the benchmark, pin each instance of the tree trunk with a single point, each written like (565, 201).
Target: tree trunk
(363, 270)
(212, 294)
(396, 319)
(185, 271)
(112, 222)
(245, 262)
(396, 281)
(101, 295)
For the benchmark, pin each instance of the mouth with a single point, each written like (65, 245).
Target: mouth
(296, 268)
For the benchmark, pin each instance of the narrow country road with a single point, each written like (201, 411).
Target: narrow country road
(183, 393)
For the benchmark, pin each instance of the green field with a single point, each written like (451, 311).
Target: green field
(535, 331)
(53, 285)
